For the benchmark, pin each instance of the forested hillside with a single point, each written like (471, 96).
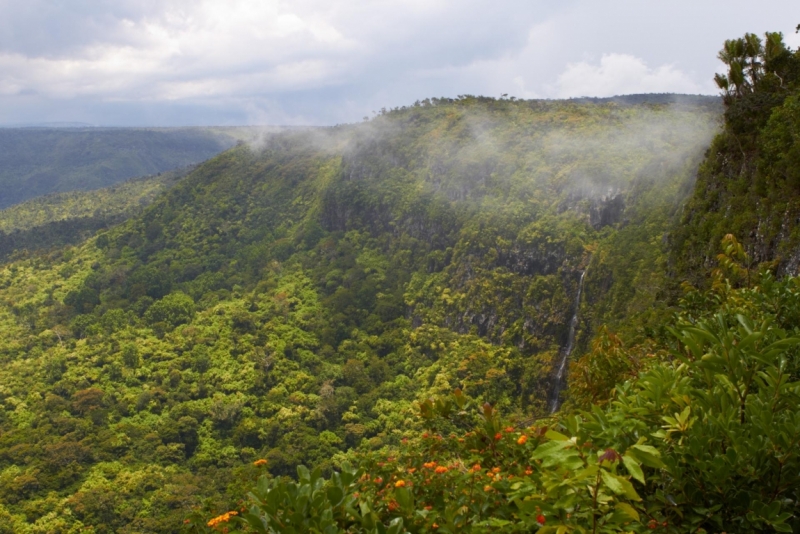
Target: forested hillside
(40, 161)
(61, 219)
(294, 298)
(687, 424)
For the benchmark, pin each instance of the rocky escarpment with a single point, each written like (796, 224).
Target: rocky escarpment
(601, 205)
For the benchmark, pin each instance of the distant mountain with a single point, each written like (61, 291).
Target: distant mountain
(48, 125)
(39, 161)
(710, 101)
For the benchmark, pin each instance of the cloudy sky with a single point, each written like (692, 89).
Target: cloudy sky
(201, 62)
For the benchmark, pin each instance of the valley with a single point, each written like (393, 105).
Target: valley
(293, 299)
(462, 315)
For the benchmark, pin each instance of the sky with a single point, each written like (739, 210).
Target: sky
(320, 62)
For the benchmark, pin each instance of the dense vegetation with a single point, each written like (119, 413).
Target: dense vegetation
(704, 439)
(40, 161)
(295, 299)
(70, 218)
(693, 428)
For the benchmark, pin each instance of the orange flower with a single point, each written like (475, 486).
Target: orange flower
(224, 518)
(429, 465)
(259, 463)
(540, 519)
(412, 470)
(378, 480)
(400, 484)
(487, 488)
(476, 468)
(393, 506)
(440, 470)
(498, 436)
(495, 470)
(509, 429)
(529, 471)
(522, 439)
(435, 525)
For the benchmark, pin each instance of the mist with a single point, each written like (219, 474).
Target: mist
(518, 150)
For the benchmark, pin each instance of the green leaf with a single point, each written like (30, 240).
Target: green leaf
(634, 468)
(648, 455)
(396, 526)
(556, 436)
(335, 495)
(404, 498)
(548, 449)
(619, 485)
(628, 510)
(557, 453)
(303, 473)
(684, 415)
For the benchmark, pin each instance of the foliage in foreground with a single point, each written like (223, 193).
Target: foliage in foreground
(704, 441)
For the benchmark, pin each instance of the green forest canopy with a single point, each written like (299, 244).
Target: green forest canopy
(293, 300)
(385, 301)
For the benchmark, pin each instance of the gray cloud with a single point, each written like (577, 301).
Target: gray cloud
(321, 62)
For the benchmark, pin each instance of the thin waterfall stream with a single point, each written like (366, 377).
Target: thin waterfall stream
(561, 374)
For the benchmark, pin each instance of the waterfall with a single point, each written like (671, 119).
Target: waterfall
(561, 374)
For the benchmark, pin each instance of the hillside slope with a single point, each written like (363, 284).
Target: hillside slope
(70, 218)
(40, 161)
(294, 299)
(687, 422)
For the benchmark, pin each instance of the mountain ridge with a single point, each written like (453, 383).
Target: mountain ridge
(293, 298)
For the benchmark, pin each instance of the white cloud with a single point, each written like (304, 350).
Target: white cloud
(327, 61)
(792, 39)
(618, 74)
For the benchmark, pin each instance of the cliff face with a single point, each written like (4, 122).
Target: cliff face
(749, 183)
(511, 212)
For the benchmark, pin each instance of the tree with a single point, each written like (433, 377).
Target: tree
(174, 309)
